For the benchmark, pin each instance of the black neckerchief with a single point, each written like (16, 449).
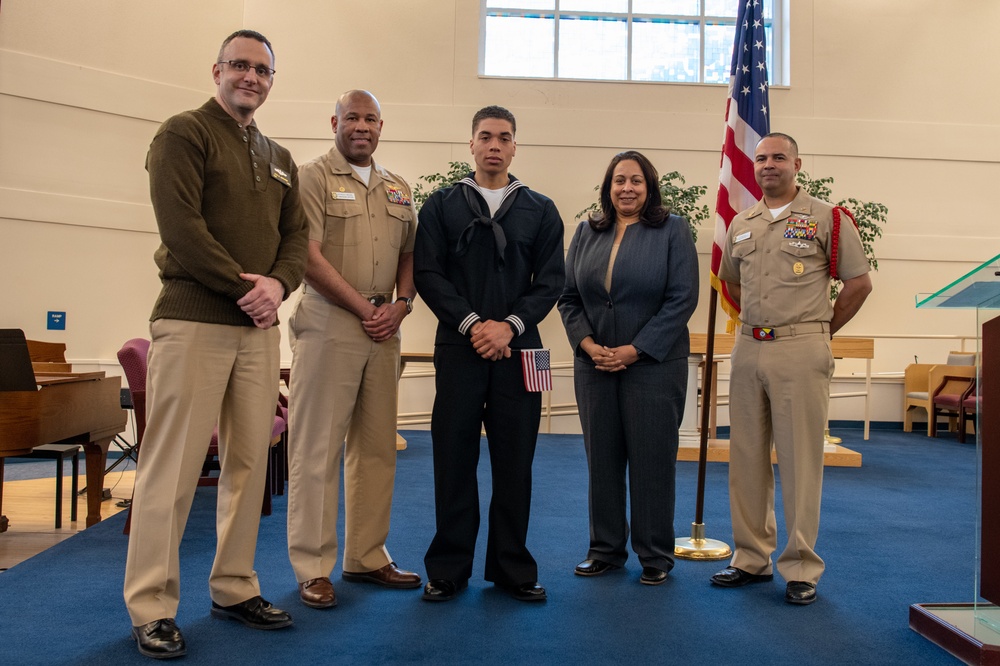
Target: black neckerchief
(482, 218)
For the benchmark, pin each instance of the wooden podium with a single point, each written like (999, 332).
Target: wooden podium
(971, 631)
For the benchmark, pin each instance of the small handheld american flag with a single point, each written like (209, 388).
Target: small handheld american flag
(537, 368)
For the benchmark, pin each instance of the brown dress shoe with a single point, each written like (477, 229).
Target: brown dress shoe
(318, 593)
(388, 576)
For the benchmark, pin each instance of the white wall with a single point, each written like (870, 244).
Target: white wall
(889, 98)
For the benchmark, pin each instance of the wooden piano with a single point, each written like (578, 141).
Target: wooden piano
(59, 406)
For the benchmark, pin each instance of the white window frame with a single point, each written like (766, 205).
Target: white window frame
(779, 75)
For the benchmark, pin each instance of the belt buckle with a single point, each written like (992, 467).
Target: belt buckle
(376, 300)
(763, 333)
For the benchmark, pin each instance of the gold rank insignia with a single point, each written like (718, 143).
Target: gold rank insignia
(798, 268)
(397, 195)
(281, 176)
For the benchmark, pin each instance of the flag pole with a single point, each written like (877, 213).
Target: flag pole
(697, 547)
(746, 122)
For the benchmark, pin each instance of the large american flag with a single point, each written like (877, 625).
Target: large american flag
(747, 120)
(537, 367)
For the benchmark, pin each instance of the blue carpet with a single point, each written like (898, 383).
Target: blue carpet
(897, 531)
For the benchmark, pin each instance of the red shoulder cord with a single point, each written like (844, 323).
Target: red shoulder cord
(835, 240)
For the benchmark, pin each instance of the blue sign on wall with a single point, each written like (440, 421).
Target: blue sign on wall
(56, 321)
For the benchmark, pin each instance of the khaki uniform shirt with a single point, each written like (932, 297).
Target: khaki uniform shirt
(783, 265)
(363, 229)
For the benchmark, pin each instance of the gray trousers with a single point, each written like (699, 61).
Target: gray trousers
(630, 421)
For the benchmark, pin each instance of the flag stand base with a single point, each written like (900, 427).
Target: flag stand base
(700, 548)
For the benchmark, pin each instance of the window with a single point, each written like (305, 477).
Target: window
(683, 41)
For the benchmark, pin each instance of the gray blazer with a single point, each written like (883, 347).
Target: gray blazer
(654, 289)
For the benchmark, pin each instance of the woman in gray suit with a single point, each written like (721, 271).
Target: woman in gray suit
(631, 286)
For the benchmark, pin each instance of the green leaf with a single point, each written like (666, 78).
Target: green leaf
(435, 181)
(679, 199)
(870, 215)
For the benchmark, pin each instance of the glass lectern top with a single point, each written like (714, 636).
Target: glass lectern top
(979, 288)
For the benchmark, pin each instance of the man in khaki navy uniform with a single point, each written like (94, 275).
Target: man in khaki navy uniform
(345, 363)
(777, 265)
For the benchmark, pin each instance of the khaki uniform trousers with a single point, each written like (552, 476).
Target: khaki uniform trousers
(780, 390)
(199, 375)
(343, 386)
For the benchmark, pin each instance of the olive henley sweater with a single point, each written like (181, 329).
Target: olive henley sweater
(226, 201)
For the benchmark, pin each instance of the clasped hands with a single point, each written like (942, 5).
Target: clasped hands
(610, 359)
(491, 339)
(384, 321)
(262, 301)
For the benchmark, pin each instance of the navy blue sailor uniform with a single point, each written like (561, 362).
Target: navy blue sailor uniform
(471, 266)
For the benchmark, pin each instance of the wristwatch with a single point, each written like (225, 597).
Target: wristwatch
(408, 301)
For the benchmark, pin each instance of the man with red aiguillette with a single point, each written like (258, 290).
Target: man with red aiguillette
(777, 262)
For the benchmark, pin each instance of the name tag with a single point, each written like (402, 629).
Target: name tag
(281, 176)
(343, 196)
(742, 237)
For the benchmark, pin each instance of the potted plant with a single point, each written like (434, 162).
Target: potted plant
(870, 216)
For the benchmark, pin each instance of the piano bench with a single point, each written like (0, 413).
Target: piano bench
(59, 453)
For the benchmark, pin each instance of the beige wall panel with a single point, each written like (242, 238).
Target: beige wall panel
(103, 279)
(910, 61)
(958, 227)
(36, 78)
(400, 49)
(73, 152)
(171, 42)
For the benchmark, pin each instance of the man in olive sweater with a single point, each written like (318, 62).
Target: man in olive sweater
(234, 241)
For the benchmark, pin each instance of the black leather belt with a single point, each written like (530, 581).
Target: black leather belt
(379, 299)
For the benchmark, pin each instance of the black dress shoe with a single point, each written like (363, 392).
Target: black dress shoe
(733, 577)
(255, 613)
(160, 639)
(440, 589)
(525, 591)
(593, 568)
(652, 576)
(799, 592)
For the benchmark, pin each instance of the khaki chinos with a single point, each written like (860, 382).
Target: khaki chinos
(199, 374)
(769, 379)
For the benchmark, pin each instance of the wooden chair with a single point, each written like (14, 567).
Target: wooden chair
(132, 357)
(918, 384)
(970, 407)
(948, 399)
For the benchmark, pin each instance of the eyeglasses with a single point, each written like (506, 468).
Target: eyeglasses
(242, 66)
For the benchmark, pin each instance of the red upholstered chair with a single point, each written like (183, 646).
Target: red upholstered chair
(970, 407)
(920, 380)
(279, 451)
(947, 400)
(132, 357)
